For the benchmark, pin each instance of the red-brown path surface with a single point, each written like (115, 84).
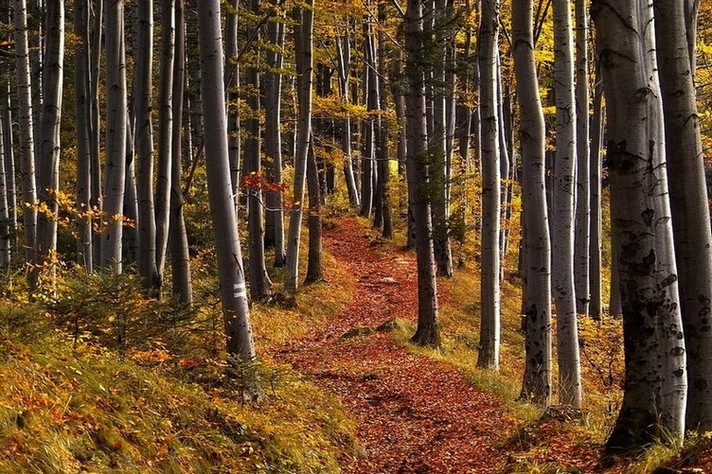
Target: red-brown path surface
(414, 414)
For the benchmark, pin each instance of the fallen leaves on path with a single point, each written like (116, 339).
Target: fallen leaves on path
(414, 414)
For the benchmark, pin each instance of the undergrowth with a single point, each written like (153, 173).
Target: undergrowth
(94, 376)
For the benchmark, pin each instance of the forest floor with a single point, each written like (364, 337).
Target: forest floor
(416, 414)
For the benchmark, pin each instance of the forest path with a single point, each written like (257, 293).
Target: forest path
(414, 414)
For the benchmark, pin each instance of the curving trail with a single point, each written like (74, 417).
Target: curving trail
(414, 414)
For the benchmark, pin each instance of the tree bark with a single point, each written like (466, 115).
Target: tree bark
(49, 151)
(488, 356)
(564, 197)
(178, 240)
(236, 312)
(655, 377)
(596, 222)
(165, 134)
(689, 205)
(537, 304)
(143, 105)
(427, 332)
(303, 38)
(25, 133)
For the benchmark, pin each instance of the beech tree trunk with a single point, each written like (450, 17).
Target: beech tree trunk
(315, 271)
(25, 132)
(343, 46)
(116, 129)
(564, 197)
(178, 240)
(232, 84)
(582, 237)
(236, 312)
(303, 39)
(427, 332)
(488, 356)
(274, 230)
(143, 105)
(655, 374)
(260, 284)
(537, 304)
(165, 134)
(689, 205)
(82, 114)
(49, 151)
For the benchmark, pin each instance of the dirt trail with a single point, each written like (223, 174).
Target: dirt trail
(414, 414)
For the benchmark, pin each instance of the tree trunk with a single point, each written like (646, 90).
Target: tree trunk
(25, 133)
(564, 197)
(427, 332)
(384, 132)
(97, 199)
(596, 222)
(303, 38)
(8, 144)
(260, 284)
(238, 328)
(49, 151)
(689, 206)
(537, 305)
(315, 270)
(165, 134)
(273, 142)
(343, 46)
(5, 242)
(488, 356)
(178, 240)
(582, 237)
(143, 105)
(655, 376)
(232, 84)
(82, 114)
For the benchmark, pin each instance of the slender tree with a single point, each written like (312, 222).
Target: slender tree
(537, 294)
(165, 133)
(178, 240)
(564, 197)
(655, 376)
(82, 113)
(491, 206)
(143, 105)
(236, 312)
(274, 229)
(427, 332)
(49, 149)
(596, 222)
(26, 130)
(582, 237)
(303, 39)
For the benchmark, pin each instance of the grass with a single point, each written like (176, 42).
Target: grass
(109, 381)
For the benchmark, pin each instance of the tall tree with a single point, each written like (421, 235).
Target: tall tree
(260, 284)
(165, 133)
(564, 197)
(303, 39)
(537, 304)
(5, 240)
(491, 207)
(689, 205)
(655, 377)
(427, 332)
(596, 221)
(383, 134)
(49, 150)
(274, 229)
(9, 157)
(26, 130)
(343, 47)
(116, 129)
(82, 113)
(236, 312)
(232, 84)
(178, 240)
(143, 105)
(582, 237)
